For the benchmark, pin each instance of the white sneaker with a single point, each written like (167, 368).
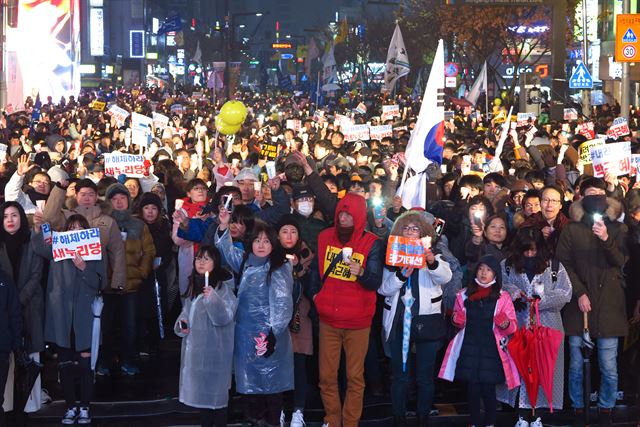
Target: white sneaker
(44, 396)
(522, 422)
(536, 423)
(83, 417)
(70, 416)
(297, 419)
(325, 424)
(282, 419)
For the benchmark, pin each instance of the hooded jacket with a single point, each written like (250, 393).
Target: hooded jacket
(595, 269)
(343, 300)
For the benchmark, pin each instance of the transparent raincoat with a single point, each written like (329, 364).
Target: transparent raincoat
(207, 350)
(263, 306)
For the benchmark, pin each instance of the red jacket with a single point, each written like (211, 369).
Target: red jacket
(344, 302)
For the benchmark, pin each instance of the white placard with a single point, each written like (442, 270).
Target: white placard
(86, 243)
(119, 114)
(613, 158)
(160, 121)
(620, 127)
(131, 165)
(389, 112)
(379, 132)
(356, 132)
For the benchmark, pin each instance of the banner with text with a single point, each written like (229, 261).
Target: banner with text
(389, 112)
(356, 132)
(379, 132)
(405, 252)
(612, 158)
(131, 165)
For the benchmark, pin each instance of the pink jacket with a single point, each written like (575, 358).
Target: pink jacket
(504, 306)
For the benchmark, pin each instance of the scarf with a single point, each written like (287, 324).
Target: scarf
(344, 233)
(13, 245)
(34, 196)
(481, 293)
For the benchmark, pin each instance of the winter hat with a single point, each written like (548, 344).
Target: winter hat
(57, 174)
(43, 160)
(246, 174)
(301, 191)
(493, 263)
(150, 199)
(114, 189)
(288, 219)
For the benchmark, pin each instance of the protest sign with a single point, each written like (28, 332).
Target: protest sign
(318, 116)
(379, 132)
(405, 252)
(46, 233)
(635, 163)
(98, 105)
(586, 129)
(341, 270)
(3, 151)
(294, 124)
(85, 243)
(269, 151)
(119, 114)
(176, 108)
(585, 150)
(131, 165)
(356, 132)
(449, 115)
(523, 119)
(141, 127)
(612, 158)
(343, 121)
(361, 108)
(570, 114)
(620, 127)
(389, 112)
(160, 121)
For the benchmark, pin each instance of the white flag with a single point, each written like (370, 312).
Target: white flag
(397, 60)
(329, 73)
(479, 86)
(197, 55)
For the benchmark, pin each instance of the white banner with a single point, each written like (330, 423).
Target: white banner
(379, 132)
(570, 114)
(389, 112)
(294, 124)
(612, 158)
(131, 165)
(523, 119)
(119, 114)
(356, 132)
(85, 243)
(342, 121)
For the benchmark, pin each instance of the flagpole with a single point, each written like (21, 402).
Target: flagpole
(318, 92)
(486, 92)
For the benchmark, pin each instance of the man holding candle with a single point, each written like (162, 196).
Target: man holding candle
(344, 281)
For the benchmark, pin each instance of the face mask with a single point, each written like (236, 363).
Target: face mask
(485, 285)
(305, 208)
(595, 204)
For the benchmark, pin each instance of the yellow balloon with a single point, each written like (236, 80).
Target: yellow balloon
(233, 112)
(497, 102)
(504, 94)
(226, 128)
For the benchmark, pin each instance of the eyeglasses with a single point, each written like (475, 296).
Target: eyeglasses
(550, 201)
(411, 228)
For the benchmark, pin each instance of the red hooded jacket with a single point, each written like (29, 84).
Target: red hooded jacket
(343, 301)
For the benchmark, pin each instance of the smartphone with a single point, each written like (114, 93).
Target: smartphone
(477, 219)
(438, 226)
(228, 200)
(32, 157)
(183, 325)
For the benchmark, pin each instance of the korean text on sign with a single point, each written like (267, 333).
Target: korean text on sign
(620, 127)
(586, 129)
(116, 164)
(269, 151)
(379, 132)
(356, 132)
(405, 252)
(585, 150)
(523, 119)
(85, 243)
(341, 271)
(119, 114)
(389, 112)
(570, 114)
(613, 158)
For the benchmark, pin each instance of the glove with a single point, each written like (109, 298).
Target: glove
(459, 318)
(500, 318)
(520, 304)
(265, 344)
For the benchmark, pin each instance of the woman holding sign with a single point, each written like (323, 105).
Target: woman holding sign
(413, 298)
(71, 289)
(206, 325)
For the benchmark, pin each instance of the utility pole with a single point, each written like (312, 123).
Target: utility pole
(586, 93)
(558, 58)
(3, 58)
(625, 96)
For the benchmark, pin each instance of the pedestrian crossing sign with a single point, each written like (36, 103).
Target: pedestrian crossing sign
(581, 79)
(629, 37)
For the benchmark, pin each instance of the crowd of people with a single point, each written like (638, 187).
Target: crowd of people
(265, 251)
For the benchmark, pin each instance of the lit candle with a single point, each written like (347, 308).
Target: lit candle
(206, 279)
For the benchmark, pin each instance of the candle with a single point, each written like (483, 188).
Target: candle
(206, 279)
